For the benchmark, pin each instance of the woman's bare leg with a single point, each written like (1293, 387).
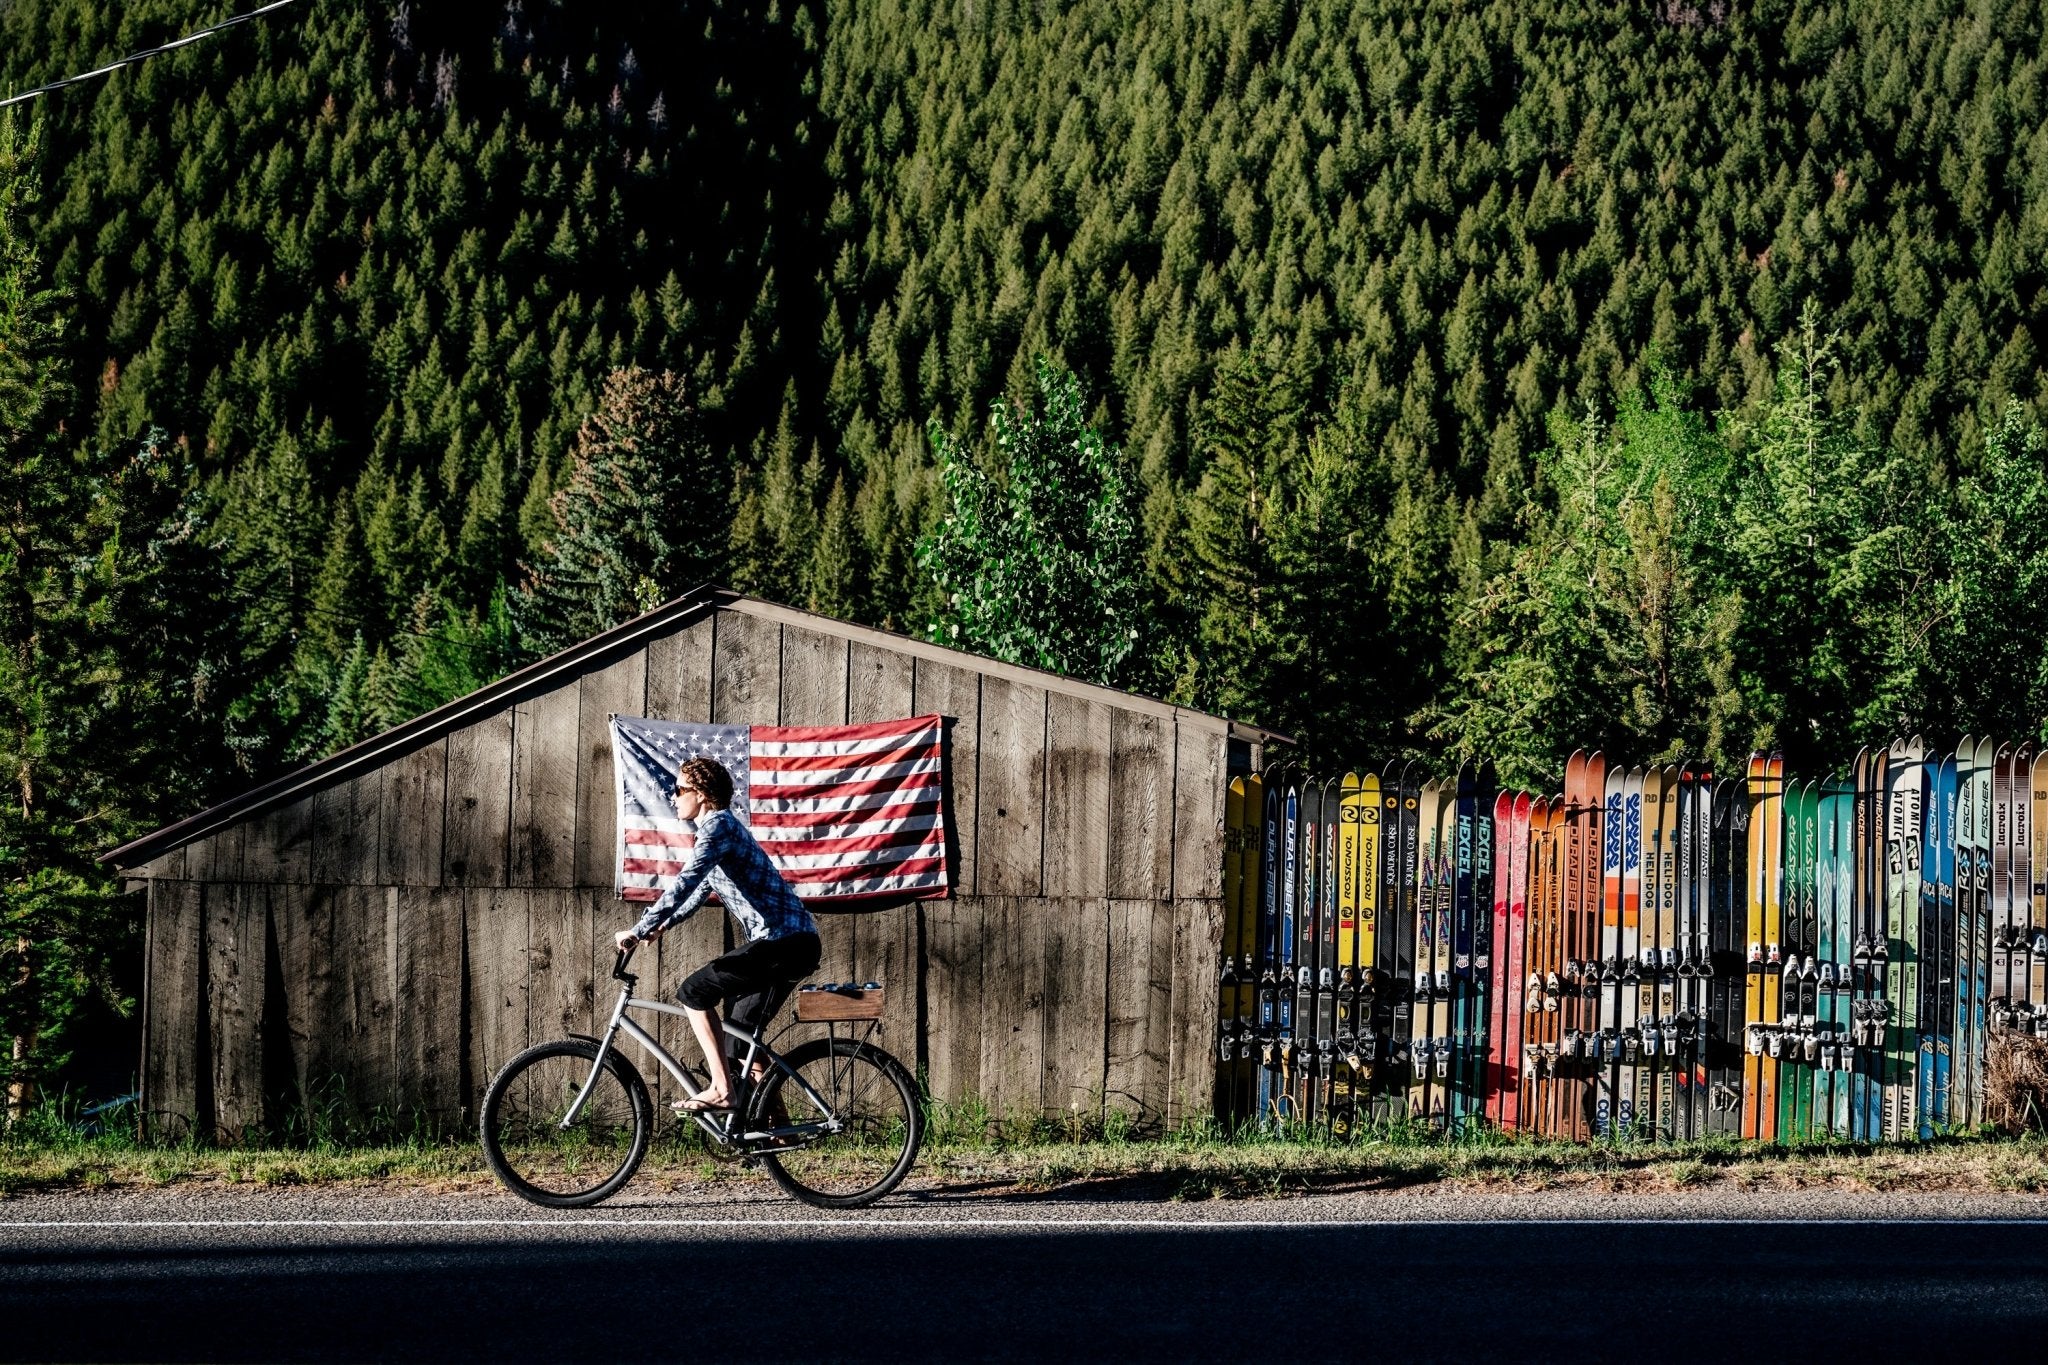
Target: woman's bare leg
(704, 1023)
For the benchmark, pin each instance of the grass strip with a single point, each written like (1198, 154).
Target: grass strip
(1198, 1162)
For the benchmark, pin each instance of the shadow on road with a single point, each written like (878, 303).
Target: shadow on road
(1424, 1291)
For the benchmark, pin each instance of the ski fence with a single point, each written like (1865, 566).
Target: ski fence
(1652, 953)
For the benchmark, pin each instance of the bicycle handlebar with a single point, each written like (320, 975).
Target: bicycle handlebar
(619, 967)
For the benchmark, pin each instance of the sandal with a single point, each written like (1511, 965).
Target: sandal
(693, 1105)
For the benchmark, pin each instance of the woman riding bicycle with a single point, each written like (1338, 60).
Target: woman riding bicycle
(781, 945)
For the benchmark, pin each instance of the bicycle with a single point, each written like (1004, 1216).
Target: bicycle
(837, 1121)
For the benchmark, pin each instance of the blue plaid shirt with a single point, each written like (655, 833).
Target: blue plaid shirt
(728, 860)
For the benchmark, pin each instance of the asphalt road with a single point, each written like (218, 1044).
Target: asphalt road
(338, 1275)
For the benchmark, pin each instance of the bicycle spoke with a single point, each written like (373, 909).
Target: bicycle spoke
(864, 1120)
(547, 1148)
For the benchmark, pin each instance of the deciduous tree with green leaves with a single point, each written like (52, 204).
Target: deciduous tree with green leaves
(1834, 548)
(1991, 643)
(1036, 557)
(1610, 623)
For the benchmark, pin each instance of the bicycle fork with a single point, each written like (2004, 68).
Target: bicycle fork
(604, 1047)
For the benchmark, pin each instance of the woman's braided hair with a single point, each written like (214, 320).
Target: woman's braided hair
(708, 776)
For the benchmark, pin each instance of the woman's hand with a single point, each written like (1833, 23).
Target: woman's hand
(626, 938)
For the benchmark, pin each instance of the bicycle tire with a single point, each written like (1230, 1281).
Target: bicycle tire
(853, 1169)
(510, 1112)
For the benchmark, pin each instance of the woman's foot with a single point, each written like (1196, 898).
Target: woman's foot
(705, 1103)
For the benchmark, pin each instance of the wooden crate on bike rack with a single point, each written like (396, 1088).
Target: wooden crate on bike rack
(835, 1004)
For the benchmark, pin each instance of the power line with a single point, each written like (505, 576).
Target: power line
(134, 57)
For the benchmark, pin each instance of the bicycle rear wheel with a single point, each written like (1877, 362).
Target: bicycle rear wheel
(873, 1104)
(559, 1166)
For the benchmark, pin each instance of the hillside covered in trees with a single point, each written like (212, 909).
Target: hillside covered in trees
(1661, 375)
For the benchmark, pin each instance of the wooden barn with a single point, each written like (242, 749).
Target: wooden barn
(371, 936)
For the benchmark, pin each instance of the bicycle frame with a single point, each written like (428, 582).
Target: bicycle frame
(757, 1053)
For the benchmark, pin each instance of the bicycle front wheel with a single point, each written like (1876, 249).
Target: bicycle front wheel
(866, 1124)
(542, 1154)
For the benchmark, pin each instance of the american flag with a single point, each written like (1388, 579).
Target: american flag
(846, 812)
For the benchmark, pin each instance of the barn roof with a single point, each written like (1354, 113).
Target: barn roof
(538, 677)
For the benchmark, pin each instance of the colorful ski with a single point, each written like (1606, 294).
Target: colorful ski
(1327, 963)
(1695, 822)
(1871, 1008)
(1946, 801)
(1480, 972)
(1910, 790)
(1649, 954)
(1633, 838)
(1728, 986)
(1398, 877)
(1546, 980)
(1661, 1036)
(1535, 942)
(1784, 1041)
(1422, 1045)
(1571, 1050)
(1753, 1010)
(2003, 928)
(2037, 895)
(1515, 971)
(1928, 1071)
(1496, 970)
(1394, 954)
(1980, 928)
(1442, 947)
(2019, 1008)
(1808, 1120)
(1308, 899)
(1272, 878)
(1344, 1070)
(1285, 1111)
(1831, 1086)
(1460, 849)
(1612, 1112)
(1963, 1060)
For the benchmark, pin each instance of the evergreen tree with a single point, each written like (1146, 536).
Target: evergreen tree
(47, 888)
(831, 578)
(95, 578)
(636, 519)
(1251, 432)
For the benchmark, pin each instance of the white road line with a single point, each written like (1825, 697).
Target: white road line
(944, 1224)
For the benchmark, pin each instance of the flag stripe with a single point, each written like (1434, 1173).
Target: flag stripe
(802, 779)
(838, 763)
(795, 812)
(777, 836)
(770, 736)
(798, 876)
(866, 786)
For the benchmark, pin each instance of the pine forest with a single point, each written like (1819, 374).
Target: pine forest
(1433, 380)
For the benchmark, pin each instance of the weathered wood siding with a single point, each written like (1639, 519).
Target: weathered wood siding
(381, 946)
